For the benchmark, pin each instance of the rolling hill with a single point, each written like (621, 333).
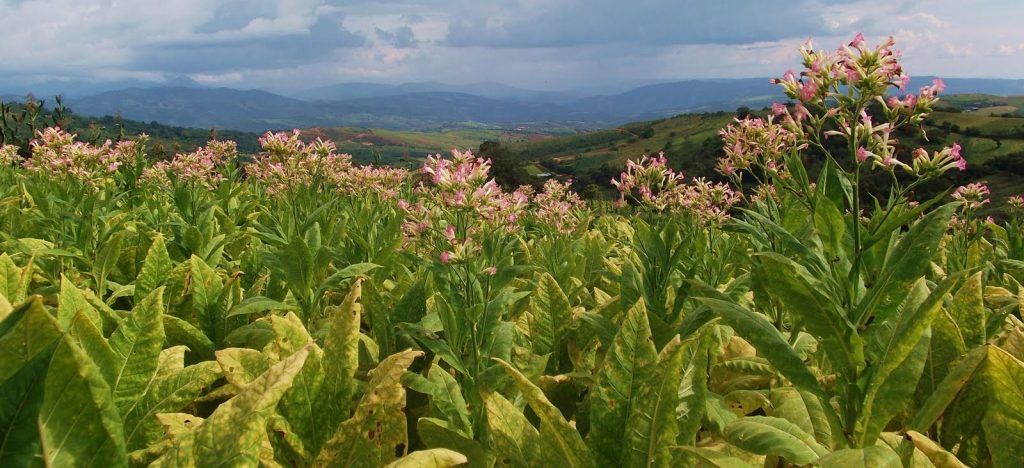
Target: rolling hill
(428, 106)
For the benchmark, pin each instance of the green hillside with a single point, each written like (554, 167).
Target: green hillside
(993, 147)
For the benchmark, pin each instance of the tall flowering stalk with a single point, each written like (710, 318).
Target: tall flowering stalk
(457, 204)
(834, 97)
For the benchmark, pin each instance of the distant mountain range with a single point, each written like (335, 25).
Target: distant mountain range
(419, 106)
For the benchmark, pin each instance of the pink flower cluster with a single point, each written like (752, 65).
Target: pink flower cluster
(558, 207)
(287, 163)
(648, 181)
(925, 165)
(1016, 203)
(973, 195)
(204, 167)
(457, 204)
(755, 143)
(57, 154)
(833, 94)
(386, 182)
(653, 185)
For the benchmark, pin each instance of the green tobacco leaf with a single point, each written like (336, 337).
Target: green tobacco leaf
(232, 435)
(551, 313)
(298, 406)
(560, 443)
(907, 262)
(981, 402)
(652, 428)
(207, 287)
(90, 340)
(165, 394)
(431, 458)
(180, 332)
(801, 409)
(772, 346)
(715, 459)
(340, 362)
(894, 396)
(904, 332)
(802, 296)
(351, 271)
(447, 397)
(256, 305)
(830, 225)
(627, 365)
(136, 345)
(14, 281)
(876, 456)
(967, 310)
(21, 396)
(155, 269)
(512, 436)
(71, 302)
(774, 436)
(376, 434)
(436, 433)
(241, 366)
(27, 331)
(938, 455)
(78, 422)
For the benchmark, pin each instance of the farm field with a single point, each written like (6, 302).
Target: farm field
(297, 307)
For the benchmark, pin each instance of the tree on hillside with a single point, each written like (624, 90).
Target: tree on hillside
(508, 171)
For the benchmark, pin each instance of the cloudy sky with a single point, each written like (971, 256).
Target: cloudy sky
(542, 44)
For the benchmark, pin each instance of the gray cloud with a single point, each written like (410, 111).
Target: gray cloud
(551, 44)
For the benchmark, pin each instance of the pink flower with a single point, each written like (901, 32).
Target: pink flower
(445, 257)
(808, 91)
(904, 80)
(862, 154)
(938, 85)
(491, 270)
(857, 41)
(778, 109)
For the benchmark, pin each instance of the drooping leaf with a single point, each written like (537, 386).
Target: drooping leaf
(875, 456)
(257, 304)
(436, 433)
(774, 436)
(165, 394)
(715, 459)
(233, 434)
(938, 455)
(376, 434)
(560, 440)
(430, 458)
